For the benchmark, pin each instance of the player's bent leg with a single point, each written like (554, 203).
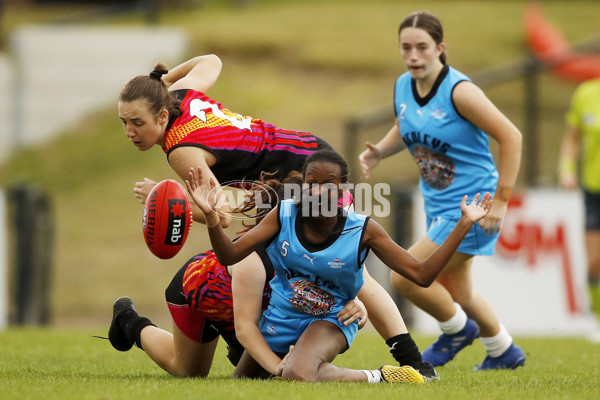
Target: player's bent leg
(457, 279)
(383, 312)
(438, 301)
(176, 353)
(192, 358)
(311, 358)
(434, 300)
(498, 343)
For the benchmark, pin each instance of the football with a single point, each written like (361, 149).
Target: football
(167, 218)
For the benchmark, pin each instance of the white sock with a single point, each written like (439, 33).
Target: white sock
(496, 345)
(373, 376)
(456, 323)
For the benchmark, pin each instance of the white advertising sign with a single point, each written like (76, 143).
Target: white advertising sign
(536, 281)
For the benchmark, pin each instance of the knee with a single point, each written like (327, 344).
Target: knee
(297, 372)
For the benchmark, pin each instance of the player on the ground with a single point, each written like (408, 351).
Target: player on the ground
(318, 258)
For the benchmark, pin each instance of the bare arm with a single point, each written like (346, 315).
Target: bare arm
(227, 252)
(199, 73)
(423, 273)
(569, 152)
(181, 160)
(248, 285)
(391, 143)
(473, 104)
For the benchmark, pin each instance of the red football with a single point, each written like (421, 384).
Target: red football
(167, 218)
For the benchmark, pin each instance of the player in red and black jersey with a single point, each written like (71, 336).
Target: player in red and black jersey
(243, 146)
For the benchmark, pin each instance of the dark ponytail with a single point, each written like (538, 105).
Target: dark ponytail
(153, 90)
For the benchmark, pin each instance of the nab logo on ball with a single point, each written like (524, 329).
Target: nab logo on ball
(167, 219)
(177, 214)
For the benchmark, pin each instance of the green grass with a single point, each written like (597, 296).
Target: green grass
(306, 65)
(70, 364)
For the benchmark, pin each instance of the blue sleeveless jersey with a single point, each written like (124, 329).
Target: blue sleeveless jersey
(335, 267)
(451, 153)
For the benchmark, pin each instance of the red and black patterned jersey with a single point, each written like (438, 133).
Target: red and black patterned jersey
(206, 285)
(243, 146)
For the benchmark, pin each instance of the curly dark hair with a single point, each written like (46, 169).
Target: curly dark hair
(276, 187)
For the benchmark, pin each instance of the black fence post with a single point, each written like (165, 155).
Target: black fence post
(34, 234)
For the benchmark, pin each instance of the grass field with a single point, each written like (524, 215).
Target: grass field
(71, 364)
(306, 65)
(302, 64)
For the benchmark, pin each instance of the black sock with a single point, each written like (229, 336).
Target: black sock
(405, 350)
(132, 324)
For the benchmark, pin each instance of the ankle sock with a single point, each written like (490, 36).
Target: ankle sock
(404, 349)
(132, 324)
(497, 345)
(373, 376)
(456, 323)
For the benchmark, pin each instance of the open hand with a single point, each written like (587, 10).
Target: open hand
(369, 158)
(205, 195)
(477, 209)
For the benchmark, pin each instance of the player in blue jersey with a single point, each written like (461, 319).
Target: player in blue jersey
(444, 120)
(318, 258)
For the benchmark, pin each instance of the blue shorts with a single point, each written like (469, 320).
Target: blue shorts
(281, 330)
(592, 210)
(477, 242)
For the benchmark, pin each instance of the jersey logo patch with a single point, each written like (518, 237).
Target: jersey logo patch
(336, 263)
(311, 259)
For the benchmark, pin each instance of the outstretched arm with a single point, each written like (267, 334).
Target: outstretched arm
(200, 74)
(206, 196)
(423, 273)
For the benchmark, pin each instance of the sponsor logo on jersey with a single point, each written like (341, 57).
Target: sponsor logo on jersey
(336, 263)
(438, 114)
